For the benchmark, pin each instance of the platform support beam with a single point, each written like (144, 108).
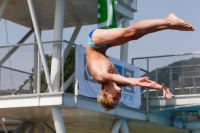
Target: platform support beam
(116, 126)
(124, 57)
(36, 85)
(124, 126)
(58, 120)
(119, 22)
(32, 127)
(22, 127)
(68, 82)
(124, 48)
(40, 128)
(57, 46)
(3, 7)
(38, 74)
(47, 127)
(56, 62)
(15, 48)
(37, 33)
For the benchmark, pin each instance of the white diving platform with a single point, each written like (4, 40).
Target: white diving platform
(85, 115)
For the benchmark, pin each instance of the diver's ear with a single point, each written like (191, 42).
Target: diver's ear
(104, 92)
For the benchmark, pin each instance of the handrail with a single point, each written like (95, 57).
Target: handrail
(34, 43)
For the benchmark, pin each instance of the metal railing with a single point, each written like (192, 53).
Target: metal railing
(179, 72)
(17, 74)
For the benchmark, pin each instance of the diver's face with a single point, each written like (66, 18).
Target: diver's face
(112, 91)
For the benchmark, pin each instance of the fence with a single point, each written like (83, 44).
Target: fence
(21, 70)
(180, 72)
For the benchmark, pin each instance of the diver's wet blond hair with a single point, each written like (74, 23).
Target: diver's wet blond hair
(104, 102)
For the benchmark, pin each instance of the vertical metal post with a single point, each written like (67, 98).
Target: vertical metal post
(157, 81)
(76, 84)
(124, 57)
(116, 126)
(170, 79)
(184, 83)
(56, 62)
(120, 21)
(58, 120)
(180, 86)
(3, 7)
(57, 47)
(31, 84)
(194, 86)
(124, 47)
(0, 78)
(35, 65)
(132, 61)
(147, 93)
(37, 33)
(124, 127)
(184, 122)
(39, 73)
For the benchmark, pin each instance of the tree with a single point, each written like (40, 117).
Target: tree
(69, 68)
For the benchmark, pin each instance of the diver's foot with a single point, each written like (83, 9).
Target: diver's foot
(178, 24)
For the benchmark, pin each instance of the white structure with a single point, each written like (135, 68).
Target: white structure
(56, 111)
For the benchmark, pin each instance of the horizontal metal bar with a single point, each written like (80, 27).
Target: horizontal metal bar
(34, 43)
(16, 70)
(180, 66)
(166, 55)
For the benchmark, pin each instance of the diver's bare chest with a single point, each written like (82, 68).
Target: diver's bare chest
(107, 66)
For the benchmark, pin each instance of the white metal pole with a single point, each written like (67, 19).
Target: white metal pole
(76, 88)
(76, 81)
(3, 7)
(56, 62)
(58, 120)
(57, 47)
(124, 127)
(124, 48)
(119, 22)
(37, 33)
(39, 73)
(35, 65)
(124, 57)
(116, 125)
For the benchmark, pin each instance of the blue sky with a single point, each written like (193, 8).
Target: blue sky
(160, 43)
